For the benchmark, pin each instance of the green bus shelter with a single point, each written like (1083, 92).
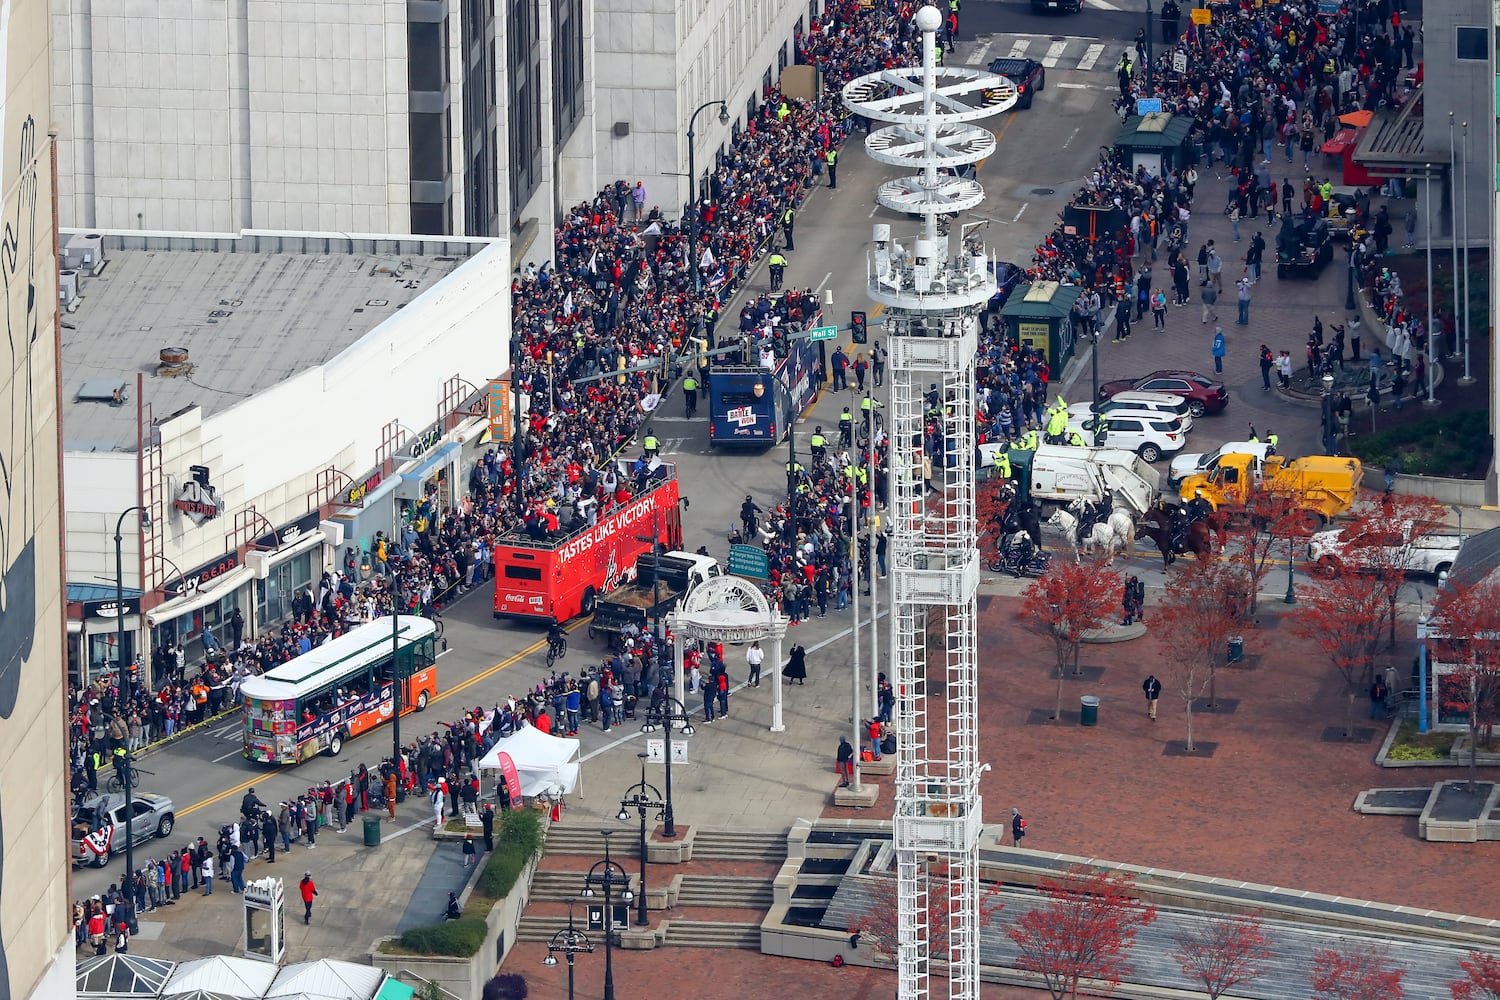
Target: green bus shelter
(1040, 315)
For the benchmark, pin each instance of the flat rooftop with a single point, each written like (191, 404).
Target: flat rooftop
(249, 311)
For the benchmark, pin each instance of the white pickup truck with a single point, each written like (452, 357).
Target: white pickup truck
(1431, 551)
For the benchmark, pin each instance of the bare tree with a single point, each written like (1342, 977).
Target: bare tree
(1223, 952)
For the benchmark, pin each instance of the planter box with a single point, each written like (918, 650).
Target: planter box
(465, 977)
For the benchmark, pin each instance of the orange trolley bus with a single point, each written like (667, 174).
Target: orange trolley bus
(562, 577)
(315, 702)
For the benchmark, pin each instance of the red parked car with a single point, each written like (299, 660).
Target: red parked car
(1203, 394)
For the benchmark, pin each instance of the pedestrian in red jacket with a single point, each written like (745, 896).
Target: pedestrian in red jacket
(309, 890)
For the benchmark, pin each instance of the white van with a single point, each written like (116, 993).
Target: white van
(1188, 464)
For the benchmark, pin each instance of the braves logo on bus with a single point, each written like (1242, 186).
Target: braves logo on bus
(611, 573)
(99, 841)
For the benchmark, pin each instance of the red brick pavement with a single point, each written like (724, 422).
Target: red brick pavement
(1273, 805)
(713, 974)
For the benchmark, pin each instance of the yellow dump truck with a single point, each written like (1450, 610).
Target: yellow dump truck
(1323, 485)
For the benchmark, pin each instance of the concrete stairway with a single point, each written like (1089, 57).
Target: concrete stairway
(727, 891)
(713, 934)
(558, 887)
(738, 845)
(584, 840)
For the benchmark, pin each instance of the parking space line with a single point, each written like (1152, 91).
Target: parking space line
(976, 58)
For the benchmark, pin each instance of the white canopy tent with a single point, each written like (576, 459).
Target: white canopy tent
(225, 974)
(546, 765)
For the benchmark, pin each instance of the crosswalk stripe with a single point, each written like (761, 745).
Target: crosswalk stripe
(1019, 48)
(1054, 53)
(1091, 56)
(977, 58)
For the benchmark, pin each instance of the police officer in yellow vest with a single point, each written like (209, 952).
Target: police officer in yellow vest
(832, 158)
(776, 263)
(1028, 441)
(1272, 440)
(788, 220)
(1002, 464)
(651, 445)
(1076, 439)
(846, 427)
(819, 445)
(689, 394)
(1057, 426)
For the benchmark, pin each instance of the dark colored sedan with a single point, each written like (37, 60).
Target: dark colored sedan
(1028, 75)
(1203, 394)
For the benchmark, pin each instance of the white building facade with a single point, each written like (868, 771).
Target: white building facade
(251, 503)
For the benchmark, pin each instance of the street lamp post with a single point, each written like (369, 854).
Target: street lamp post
(127, 684)
(1148, 46)
(1094, 403)
(1453, 232)
(1467, 378)
(606, 874)
(570, 941)
(1431, 399)
(1291, 593)
(1349, 303)
(693, 186)
(667, 713)
(641, 797)
(396, 678)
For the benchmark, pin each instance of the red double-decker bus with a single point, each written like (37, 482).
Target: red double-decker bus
(563, 577)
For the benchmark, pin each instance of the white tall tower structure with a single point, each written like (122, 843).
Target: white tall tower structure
(933, 296)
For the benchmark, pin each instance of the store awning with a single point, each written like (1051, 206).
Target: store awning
(228, 975)
(1394, 144)
(201, 598)
(410, 487)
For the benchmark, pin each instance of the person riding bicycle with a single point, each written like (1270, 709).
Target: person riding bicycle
(556, 636)
(819, 445)
(846, 427)
(748, 513)
(251, 805)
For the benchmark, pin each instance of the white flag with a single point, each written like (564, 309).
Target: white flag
(568, 305)
(594, 262)
(649, 403)
(707, 260)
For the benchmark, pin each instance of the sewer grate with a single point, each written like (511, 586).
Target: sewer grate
(1044, 191)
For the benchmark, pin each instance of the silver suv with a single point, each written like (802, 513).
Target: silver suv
(100, 824)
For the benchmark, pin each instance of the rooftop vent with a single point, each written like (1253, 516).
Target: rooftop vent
(104, 390)
(173, 362)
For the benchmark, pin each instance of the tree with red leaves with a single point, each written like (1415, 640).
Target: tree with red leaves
(1381, 539)
(1273, 525)
(1192, 613)
(1364, 973)
(1067, 601)
(1481, 978)
(1344, 617)
(1082, 933)
(1467, 620)
(1223, 952)
(881, 923)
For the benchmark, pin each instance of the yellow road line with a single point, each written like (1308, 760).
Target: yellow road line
(457, 689)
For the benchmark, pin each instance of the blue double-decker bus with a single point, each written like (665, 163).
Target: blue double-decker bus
(749, 405)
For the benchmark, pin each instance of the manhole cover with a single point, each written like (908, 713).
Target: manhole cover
(1059, 38)
(1043, 191)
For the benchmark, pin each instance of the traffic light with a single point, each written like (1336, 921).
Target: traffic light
(858, 328)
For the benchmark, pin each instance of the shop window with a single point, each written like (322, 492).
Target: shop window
(102, 653)
(273, 595)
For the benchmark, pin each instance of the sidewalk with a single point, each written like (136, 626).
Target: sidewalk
(363, 894)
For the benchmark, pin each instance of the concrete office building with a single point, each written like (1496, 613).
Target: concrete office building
(399, 117)
(659, 60)
(466, 117)
(244, 391)
(36, 938)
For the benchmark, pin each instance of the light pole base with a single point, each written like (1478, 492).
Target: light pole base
(862, 797)
(778, 728)
(1432, 404)
(1467, 380)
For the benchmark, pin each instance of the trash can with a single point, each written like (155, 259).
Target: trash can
(372, 831)
(1236, 649)
(1090, 713)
